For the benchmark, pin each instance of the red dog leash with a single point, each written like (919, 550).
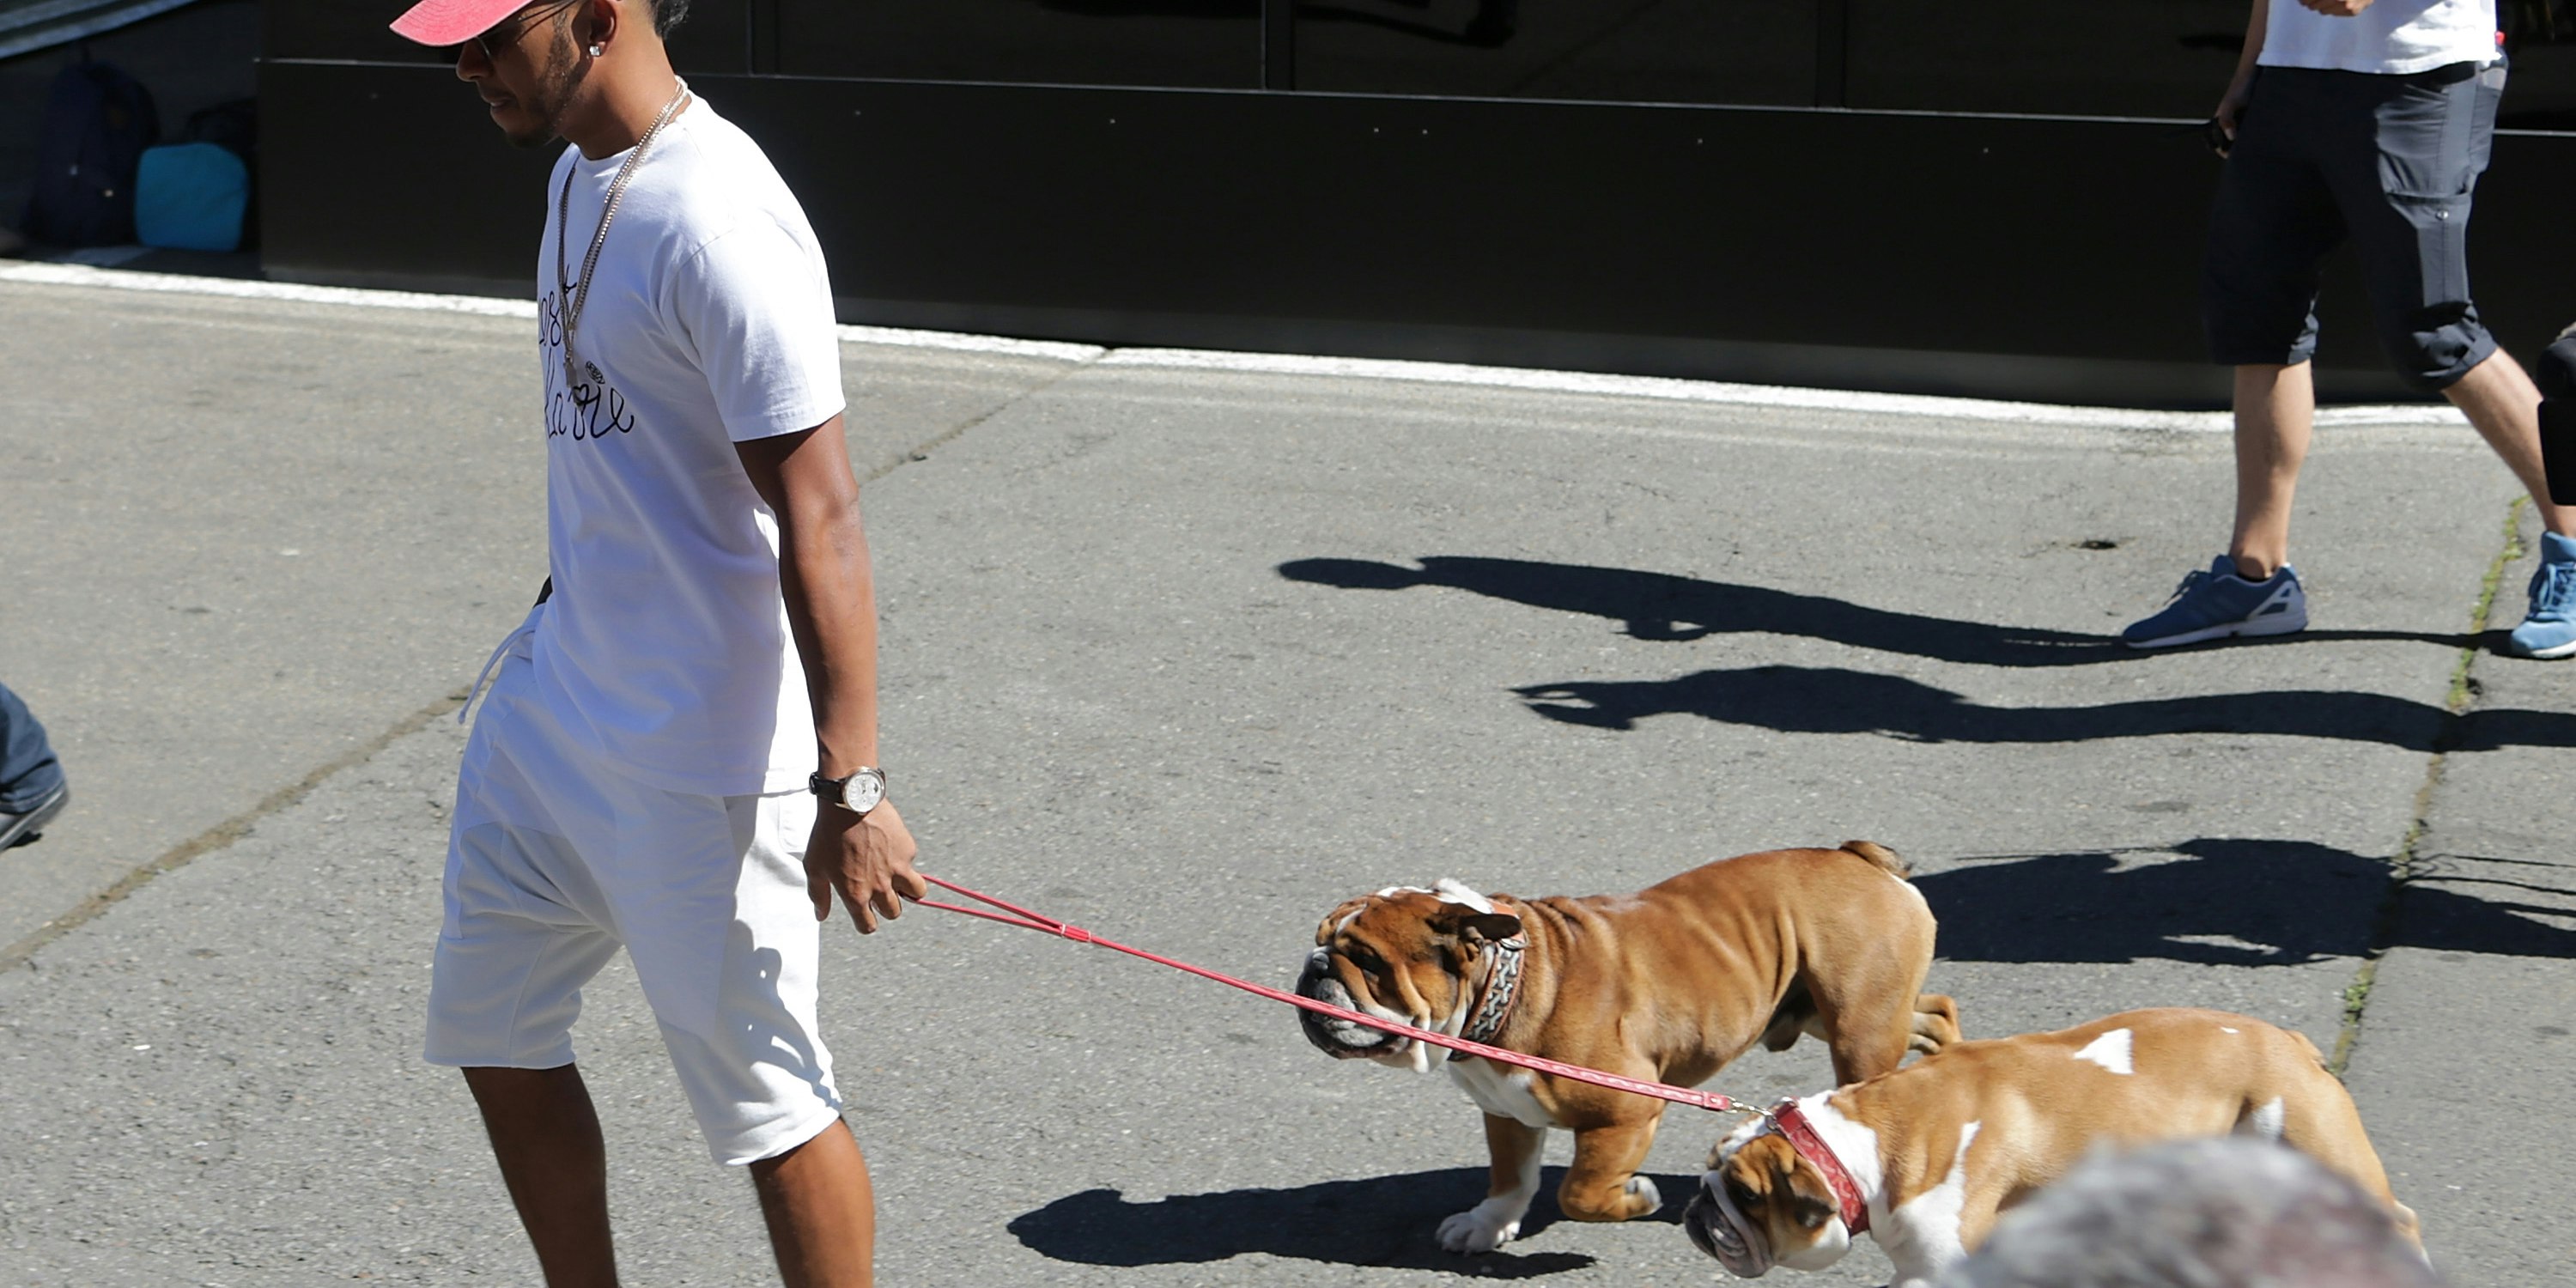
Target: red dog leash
(1028, 920)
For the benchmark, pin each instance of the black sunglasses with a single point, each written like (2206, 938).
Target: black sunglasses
(509, 31)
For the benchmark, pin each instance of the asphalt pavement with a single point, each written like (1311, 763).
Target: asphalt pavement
(1188, 651)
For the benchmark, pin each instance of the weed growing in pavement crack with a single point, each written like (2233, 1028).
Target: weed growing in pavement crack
(2401, 865)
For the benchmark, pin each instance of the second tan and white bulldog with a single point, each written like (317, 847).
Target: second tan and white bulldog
(1668, 984)
(1923, 1159)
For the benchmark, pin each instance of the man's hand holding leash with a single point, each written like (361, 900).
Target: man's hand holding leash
(867, 858)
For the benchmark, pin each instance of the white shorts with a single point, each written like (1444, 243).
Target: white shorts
(555, 859)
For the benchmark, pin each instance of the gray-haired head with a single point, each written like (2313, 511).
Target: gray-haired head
(2228, 1213)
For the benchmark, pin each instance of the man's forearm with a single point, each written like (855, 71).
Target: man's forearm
(2257, 28)
(823, 574)
(832, 610)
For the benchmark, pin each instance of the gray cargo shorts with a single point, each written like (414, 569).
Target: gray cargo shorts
(2388, 161)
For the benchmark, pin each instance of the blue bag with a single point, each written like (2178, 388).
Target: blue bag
(191, 196)
(98, 121)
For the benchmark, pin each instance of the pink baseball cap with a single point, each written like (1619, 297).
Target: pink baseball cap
(452, 22)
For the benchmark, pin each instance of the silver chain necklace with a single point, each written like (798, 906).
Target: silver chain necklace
(570, 298)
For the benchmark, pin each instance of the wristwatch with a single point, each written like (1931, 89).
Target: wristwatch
(862, 791)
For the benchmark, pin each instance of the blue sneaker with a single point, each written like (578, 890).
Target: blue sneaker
(2550, 628)
(2218, 603)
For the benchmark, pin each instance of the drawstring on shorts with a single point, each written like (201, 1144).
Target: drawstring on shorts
(493, 662)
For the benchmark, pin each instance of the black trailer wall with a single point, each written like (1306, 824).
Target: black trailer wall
(2004, 199)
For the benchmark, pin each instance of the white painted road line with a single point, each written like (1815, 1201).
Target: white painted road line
(1057, 349)
(1521, 378)
(240, 288)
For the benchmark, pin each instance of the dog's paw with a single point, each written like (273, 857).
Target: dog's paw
(1643, 1198)
(1482, 1228)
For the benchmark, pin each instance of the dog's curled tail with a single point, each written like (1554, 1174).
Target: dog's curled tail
(1884, 857)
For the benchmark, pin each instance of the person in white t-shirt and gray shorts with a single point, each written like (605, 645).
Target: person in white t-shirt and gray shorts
(678, 754)
(2366, 120)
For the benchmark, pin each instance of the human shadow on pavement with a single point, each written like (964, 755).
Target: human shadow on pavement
(1665, 607)
(1381, 1221)
(1803, 699)
(2211, 901)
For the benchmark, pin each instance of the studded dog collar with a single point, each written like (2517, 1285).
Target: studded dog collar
(1502, 985)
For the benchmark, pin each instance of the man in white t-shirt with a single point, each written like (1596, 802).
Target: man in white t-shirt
(2368, 120)
(679, 752)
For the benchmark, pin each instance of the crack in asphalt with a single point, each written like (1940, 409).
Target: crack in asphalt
(2401, 864)
(231, 830)
(921, 450)
(215, 838)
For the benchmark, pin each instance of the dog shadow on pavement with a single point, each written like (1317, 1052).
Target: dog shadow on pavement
(1667, 607)
(1383, 1221)
(2288, 903)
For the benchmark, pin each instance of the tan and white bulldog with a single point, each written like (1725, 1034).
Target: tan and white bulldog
(1667, 984)
(1924, 1158)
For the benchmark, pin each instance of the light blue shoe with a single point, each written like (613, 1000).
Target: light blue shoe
(2218, 603)
(2549, 630)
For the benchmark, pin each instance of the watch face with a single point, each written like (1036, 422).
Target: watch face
(863, 792)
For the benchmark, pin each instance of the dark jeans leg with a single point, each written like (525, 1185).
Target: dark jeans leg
(28, 770)
(2556, 376)
(2272, 223)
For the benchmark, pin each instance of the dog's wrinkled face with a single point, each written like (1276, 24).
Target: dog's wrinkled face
(1404, 954)
(1760, 1205)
